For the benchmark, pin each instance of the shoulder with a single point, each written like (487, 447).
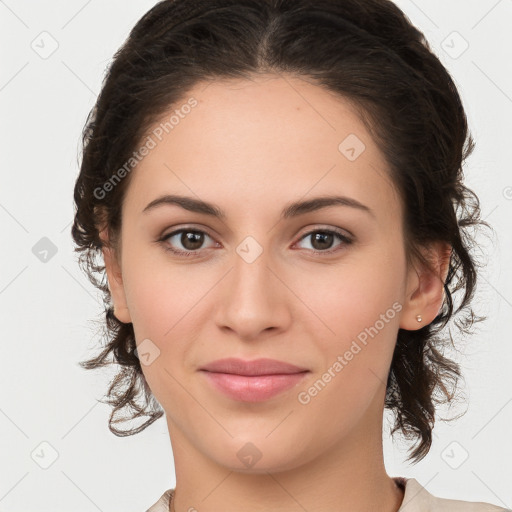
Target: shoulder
(418, 499)
(162, 505)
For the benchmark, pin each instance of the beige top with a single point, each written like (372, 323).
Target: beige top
(416, 499)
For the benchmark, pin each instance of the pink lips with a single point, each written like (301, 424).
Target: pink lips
(252, 381)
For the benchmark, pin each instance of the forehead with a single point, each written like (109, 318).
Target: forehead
(261, 141)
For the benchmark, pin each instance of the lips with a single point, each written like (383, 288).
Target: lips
(252, 381)
(262, 366)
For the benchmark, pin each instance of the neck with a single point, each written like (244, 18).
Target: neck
(348, 477)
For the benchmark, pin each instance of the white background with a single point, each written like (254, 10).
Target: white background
(48, 308)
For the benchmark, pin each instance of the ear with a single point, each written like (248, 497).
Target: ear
(115, 280)
(425, 287)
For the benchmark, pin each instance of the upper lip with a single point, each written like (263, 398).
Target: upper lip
(261, 366)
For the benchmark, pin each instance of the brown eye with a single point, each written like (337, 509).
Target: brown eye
(323, 240)
(190, 241)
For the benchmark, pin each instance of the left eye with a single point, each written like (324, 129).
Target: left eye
(322, 240)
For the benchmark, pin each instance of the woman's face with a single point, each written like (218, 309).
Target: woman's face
(258, 283)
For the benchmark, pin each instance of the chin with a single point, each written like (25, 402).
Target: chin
(243, 455)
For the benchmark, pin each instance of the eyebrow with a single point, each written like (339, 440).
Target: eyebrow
(292, 210)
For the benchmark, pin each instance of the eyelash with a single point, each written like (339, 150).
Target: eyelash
(163, 240)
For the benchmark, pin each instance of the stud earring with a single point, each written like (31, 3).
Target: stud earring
(418, 317)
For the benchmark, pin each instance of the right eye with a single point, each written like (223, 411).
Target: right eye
(190, 239)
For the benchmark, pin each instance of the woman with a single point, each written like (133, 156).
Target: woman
(276, 189)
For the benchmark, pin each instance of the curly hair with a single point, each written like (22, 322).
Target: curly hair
(365, 51)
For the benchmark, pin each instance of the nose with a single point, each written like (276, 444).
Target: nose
(253, 298)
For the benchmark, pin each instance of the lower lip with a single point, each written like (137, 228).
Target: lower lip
(256, 388)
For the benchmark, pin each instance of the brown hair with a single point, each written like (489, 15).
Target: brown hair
(366, 51)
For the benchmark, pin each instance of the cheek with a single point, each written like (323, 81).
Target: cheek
(353, 295)
(167, 306)
(359, 306)
(159, 293)
(161, 301)
(151, 302)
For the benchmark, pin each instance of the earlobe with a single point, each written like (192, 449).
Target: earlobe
(115, 285)
(425, 288)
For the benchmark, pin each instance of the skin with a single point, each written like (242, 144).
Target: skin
(252, 147)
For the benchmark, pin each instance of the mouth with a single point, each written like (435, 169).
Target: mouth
(252, 381)
(255, 388)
